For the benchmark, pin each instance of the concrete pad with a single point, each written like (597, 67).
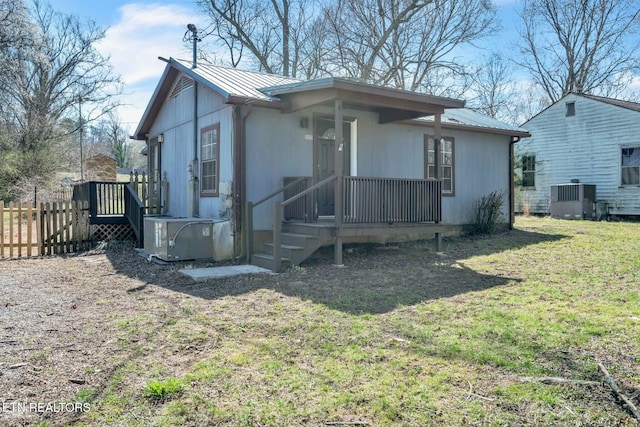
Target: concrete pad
(202, 274)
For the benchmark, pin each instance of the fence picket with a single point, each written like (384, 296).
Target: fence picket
(50, 228)
(1, 228)
(11, 228)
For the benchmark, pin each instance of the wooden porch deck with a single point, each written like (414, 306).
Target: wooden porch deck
(367, 207)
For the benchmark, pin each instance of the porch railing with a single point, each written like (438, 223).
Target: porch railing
(293, 183)
(365, 201)
(391, 200)
(300, 208)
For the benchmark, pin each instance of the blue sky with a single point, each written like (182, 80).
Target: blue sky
(140, 31)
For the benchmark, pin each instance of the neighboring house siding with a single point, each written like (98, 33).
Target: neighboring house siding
(586, 147)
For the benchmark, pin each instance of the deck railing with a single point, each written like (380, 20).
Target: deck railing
(106, 201)
(134, 212)
(391, 200)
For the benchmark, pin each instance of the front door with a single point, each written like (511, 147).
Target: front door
(325, 161)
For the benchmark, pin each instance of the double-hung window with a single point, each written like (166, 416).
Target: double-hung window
(528, 171)
(209, 165)
(630, 166)
(447, 163)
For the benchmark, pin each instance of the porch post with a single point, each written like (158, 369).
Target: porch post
(437, 136)
(339, 171)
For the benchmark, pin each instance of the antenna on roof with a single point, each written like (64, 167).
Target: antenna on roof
(193, 37)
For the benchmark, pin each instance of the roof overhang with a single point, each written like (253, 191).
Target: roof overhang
(392, 105)
(155, 104)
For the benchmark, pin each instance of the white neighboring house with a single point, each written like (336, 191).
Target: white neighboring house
(586, 139)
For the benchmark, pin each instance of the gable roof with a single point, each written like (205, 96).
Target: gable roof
(611, 101)
(233, 83)
(288, 94)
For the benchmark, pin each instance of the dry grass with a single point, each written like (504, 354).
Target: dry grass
(400, 336)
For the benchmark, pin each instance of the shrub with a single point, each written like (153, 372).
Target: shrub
(488, 212)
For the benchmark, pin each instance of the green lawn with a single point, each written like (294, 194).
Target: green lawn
(400, 336)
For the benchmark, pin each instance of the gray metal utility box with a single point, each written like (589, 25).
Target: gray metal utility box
(573, 201)
(178, 239)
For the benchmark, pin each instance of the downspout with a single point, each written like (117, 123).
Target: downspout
(512, 209)
(437, 148)
(194, 167)
(239, 178)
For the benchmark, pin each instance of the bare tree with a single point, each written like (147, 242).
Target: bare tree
(399, 43)
(493, 91)
(271, 31)
(360, 32)
(585, 46)
(46, 73)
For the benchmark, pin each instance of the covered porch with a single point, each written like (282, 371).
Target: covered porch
(334, 204)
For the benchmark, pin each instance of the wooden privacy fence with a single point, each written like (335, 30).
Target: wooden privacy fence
(44, 229)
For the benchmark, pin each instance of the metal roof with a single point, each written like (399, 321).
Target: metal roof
(467, 118)
(238, 86)
(233, 82)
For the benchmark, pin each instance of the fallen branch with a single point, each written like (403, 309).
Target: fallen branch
(616, 390)
(347, 423)
(557, 380)
(18, 365)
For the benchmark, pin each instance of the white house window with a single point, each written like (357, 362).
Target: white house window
(630, 166)
(529, 171)
(447, 163)
(209, 166)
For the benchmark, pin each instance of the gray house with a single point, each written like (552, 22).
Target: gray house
(582, 140)
(260, 156)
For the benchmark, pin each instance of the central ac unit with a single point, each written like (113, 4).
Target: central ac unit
(573, 201)
(178, 239)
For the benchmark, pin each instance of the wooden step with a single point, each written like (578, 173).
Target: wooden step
(296, 239)
(286, 251)
(297, 243)
(266, 261)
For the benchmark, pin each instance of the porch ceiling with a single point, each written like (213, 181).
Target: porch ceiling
(392, 105)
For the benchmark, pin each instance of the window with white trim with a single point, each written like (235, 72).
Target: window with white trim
(630, 166)
(447, 163)
(209, 165)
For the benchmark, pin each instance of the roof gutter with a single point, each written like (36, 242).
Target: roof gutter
(512, 189)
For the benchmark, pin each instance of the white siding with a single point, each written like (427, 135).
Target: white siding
(586, 147)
